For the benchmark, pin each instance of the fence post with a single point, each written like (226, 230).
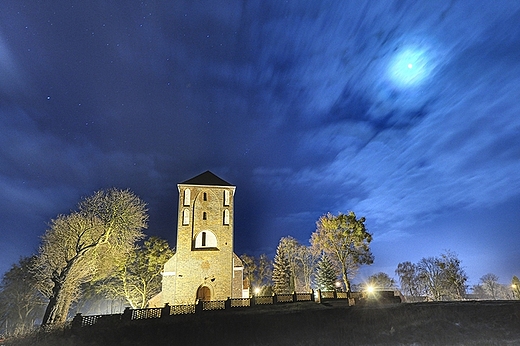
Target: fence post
(253, 300)
(77, 321)
(275, 299)
(312, 296)
(294, 297)
(318, 296)
(227, 304)
(127, 314)
(335, 294)
(165, 311)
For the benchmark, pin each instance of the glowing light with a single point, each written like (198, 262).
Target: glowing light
(257, 290)
(410, 67)
(370, 289)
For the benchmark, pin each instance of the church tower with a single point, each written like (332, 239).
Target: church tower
(204, 266)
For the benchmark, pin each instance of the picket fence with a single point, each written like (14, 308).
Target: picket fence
(167, 311)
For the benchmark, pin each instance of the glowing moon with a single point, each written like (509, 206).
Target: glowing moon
(409, 67)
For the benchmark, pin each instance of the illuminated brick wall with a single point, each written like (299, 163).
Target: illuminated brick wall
(204, 251)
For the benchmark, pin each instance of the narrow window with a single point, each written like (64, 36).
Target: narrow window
(226, 217)
(187, 196)
(204, 217)
(226, 197)
(205, 196)
(185, 217)
(203, 238)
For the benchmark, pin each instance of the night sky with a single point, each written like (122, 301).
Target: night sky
(405, 112)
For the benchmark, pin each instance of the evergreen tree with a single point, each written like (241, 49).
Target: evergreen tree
(281, 272)
(326, 274)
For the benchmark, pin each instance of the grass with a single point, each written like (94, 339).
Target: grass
(331, 323)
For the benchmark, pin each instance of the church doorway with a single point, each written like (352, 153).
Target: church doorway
(204, 294)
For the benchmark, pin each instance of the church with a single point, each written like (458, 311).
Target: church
(204, 266)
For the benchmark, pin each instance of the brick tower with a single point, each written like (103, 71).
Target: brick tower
(204, 266)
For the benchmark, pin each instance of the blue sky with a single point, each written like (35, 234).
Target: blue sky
(405, 112)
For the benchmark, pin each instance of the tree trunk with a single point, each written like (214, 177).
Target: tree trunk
(346, 281)
(50, 312)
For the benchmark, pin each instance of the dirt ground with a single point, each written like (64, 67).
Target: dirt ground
(330, 323)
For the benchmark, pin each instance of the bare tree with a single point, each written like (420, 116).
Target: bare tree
(86, 244)
(381, 281)
(345, 239)
(20, 302)
(265, 273)
(430, 274)
(250, 268)
(302, 262)
(515, 287)
(258, 270)
(307, 260)
(137, 277)
(411, 284)
(454, 276)
(490, 285)
(438, 278)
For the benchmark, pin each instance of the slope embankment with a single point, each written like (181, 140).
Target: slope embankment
(331, 323)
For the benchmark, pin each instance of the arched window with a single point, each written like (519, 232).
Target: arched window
(204, 216)
(187, 197)
(226, 197)
(205, 239)
(205, 196)
(226, 217)
(185, 217)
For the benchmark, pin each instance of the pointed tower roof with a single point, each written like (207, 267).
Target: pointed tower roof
(206, 178)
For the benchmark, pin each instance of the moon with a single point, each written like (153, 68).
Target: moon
(409, 67)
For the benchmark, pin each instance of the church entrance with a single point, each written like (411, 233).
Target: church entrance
(204, 294)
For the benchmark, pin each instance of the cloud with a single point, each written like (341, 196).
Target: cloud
(13, 78)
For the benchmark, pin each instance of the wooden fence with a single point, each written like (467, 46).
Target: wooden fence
(201, 306)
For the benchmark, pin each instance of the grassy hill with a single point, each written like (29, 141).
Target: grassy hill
(331, 323)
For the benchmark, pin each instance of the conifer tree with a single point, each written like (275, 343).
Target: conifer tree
(281, 272)
(326, 274)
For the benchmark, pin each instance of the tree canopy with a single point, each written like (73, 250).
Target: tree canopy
(437, 278)
(345, 239)
(20, 302)
(137, 277)
(381, 281)
(86, 244)
(258, 271)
